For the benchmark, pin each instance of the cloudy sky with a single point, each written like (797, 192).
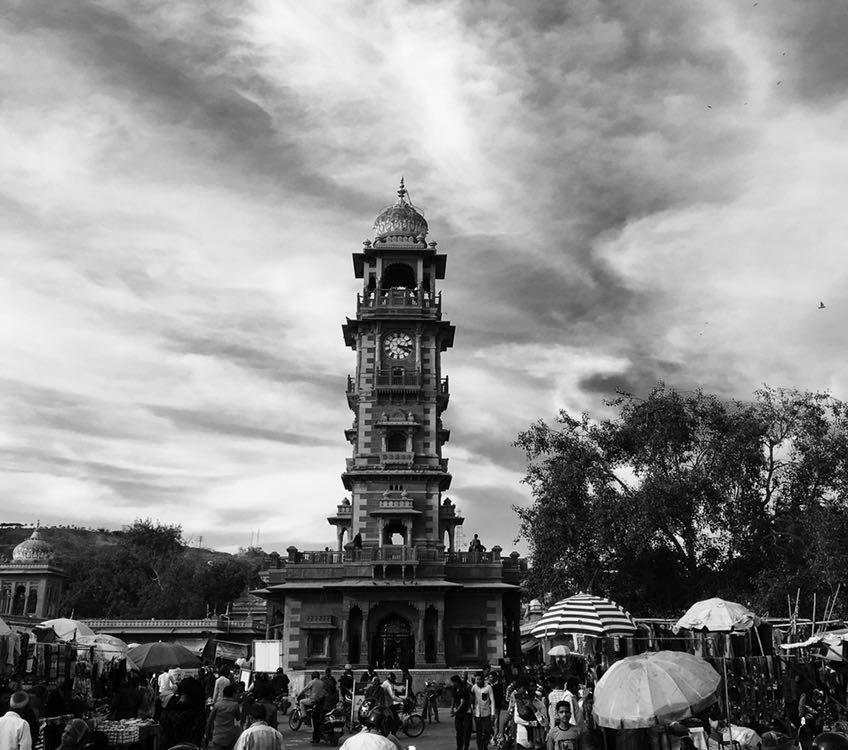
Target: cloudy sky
(626, 191)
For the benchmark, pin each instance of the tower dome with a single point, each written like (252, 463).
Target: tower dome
(34, 549)
(401, 219)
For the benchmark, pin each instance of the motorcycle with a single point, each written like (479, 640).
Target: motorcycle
(332, 724)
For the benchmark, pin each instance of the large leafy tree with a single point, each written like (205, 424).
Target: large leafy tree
(685, 494)
(151, 573)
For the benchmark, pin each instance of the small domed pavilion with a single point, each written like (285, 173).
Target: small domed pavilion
(31, 584)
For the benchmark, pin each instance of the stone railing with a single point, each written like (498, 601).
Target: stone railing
(400, 458)
(475, 558)
(399, 298)
(405, 380)
(388, 553)
(207, 623)
(391, 503)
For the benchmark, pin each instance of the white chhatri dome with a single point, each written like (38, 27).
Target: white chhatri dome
(34, 549)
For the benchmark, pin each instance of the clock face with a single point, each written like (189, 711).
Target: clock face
(398, 345)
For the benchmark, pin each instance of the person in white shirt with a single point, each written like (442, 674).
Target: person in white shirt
(220, 683)
(14, 730)
(258, 735)
(374, 735)
(483, 700)
(167, 687)
(555, 696)
(391, 694)
(572, 695)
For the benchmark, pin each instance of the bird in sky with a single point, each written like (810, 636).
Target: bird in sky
(822, 305)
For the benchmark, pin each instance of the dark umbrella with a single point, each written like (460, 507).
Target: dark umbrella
(158, 656)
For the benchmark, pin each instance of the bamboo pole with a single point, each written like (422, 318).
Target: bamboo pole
(825, 617)
(813, 626)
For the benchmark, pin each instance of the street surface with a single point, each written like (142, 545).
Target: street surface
(435, 737)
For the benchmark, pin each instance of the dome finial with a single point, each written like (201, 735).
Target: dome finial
(402, 219)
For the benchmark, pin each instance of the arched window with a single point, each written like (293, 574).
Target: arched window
(396, 442)
(32, 602)
(398, 275)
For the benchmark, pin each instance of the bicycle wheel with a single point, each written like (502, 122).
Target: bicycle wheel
(413, 725)
(295, 719)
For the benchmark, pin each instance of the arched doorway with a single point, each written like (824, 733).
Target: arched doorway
(394, 645)
(394, 533)
(398, 276)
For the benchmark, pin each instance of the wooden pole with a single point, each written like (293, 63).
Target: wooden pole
(759, 640)
(813, 627)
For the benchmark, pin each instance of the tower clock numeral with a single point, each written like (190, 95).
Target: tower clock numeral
(398, 345)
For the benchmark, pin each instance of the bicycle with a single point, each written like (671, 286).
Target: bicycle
(409, 721)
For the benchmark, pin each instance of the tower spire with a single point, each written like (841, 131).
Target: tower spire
(402, 191)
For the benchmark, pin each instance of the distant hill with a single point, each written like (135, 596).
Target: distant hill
(74, 542)
(128, 572)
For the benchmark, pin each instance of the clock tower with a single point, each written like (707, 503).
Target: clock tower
(395, 592)
(398, 393)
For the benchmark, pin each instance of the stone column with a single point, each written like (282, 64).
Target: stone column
(381, 527)
(409, 440)
(340, 537)
(419, 646)
(452, 537)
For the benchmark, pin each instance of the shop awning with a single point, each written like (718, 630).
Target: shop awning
(230, 650)
(528, 645)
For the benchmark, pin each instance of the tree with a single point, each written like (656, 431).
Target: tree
(681, 495)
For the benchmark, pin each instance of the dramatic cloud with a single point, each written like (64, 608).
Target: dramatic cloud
(626, 192)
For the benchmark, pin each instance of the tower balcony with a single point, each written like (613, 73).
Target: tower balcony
(399, 302)
(352, 393)
(443, 394)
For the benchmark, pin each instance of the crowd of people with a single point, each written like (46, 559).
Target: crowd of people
(534, 708)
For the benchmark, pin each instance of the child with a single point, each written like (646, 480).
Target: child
(563, 735)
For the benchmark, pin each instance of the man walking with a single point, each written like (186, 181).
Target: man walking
(483, 699)
(14, 729)
(461, 711)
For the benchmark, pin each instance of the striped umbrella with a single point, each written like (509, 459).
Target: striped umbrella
(586, 614)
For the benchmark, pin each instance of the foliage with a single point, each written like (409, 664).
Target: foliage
(151, 573)
(682, 496)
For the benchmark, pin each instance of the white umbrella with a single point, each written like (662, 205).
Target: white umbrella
(67, 629)
(654, 688)
(717, 616)
(559, 650)
(586, 614)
